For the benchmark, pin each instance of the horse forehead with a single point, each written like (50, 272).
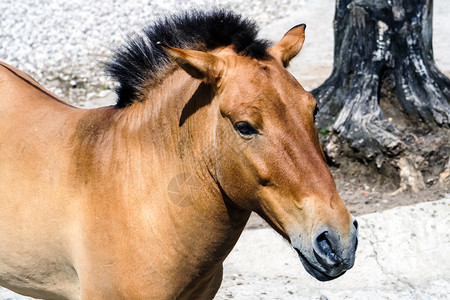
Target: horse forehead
(268, 78)
(252, 78)
(267, 88)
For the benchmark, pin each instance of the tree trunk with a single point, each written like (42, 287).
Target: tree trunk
(386, 101)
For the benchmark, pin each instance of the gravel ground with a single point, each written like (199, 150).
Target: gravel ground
(62, 44)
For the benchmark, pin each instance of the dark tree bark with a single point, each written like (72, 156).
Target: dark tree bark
(385, 98)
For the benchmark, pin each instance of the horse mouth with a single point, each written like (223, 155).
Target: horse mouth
(314, 271)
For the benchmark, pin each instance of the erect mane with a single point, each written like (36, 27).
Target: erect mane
(142, 59)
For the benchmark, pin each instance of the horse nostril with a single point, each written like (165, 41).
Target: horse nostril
(355, 223)
(325, 248)
(324, 243)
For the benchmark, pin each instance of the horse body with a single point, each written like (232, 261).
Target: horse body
(87, 209)
(79, 208)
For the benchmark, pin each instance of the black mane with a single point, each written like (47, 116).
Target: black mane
(141, 59)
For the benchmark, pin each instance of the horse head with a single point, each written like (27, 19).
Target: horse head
(267, 156)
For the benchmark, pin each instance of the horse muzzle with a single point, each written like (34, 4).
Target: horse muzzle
(329, 255)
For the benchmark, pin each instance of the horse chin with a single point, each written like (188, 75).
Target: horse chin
(313, 271)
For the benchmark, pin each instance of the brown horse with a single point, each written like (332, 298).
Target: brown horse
(145, 199)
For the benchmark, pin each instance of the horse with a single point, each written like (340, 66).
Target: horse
(145, 199)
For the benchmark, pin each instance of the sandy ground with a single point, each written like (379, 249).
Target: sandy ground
(263, 267)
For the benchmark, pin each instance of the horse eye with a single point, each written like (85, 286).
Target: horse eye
(245, 129)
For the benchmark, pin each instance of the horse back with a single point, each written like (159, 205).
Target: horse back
(17, 88)
(34, 123)
(35, 126)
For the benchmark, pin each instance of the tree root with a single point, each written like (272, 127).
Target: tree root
(385, 96)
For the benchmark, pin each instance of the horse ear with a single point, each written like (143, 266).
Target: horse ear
(290, 45)
(198, 64)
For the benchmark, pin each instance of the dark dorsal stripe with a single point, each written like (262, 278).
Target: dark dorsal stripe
(141, 59)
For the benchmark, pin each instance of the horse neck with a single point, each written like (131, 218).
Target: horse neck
(176, 120)
(177, 129)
